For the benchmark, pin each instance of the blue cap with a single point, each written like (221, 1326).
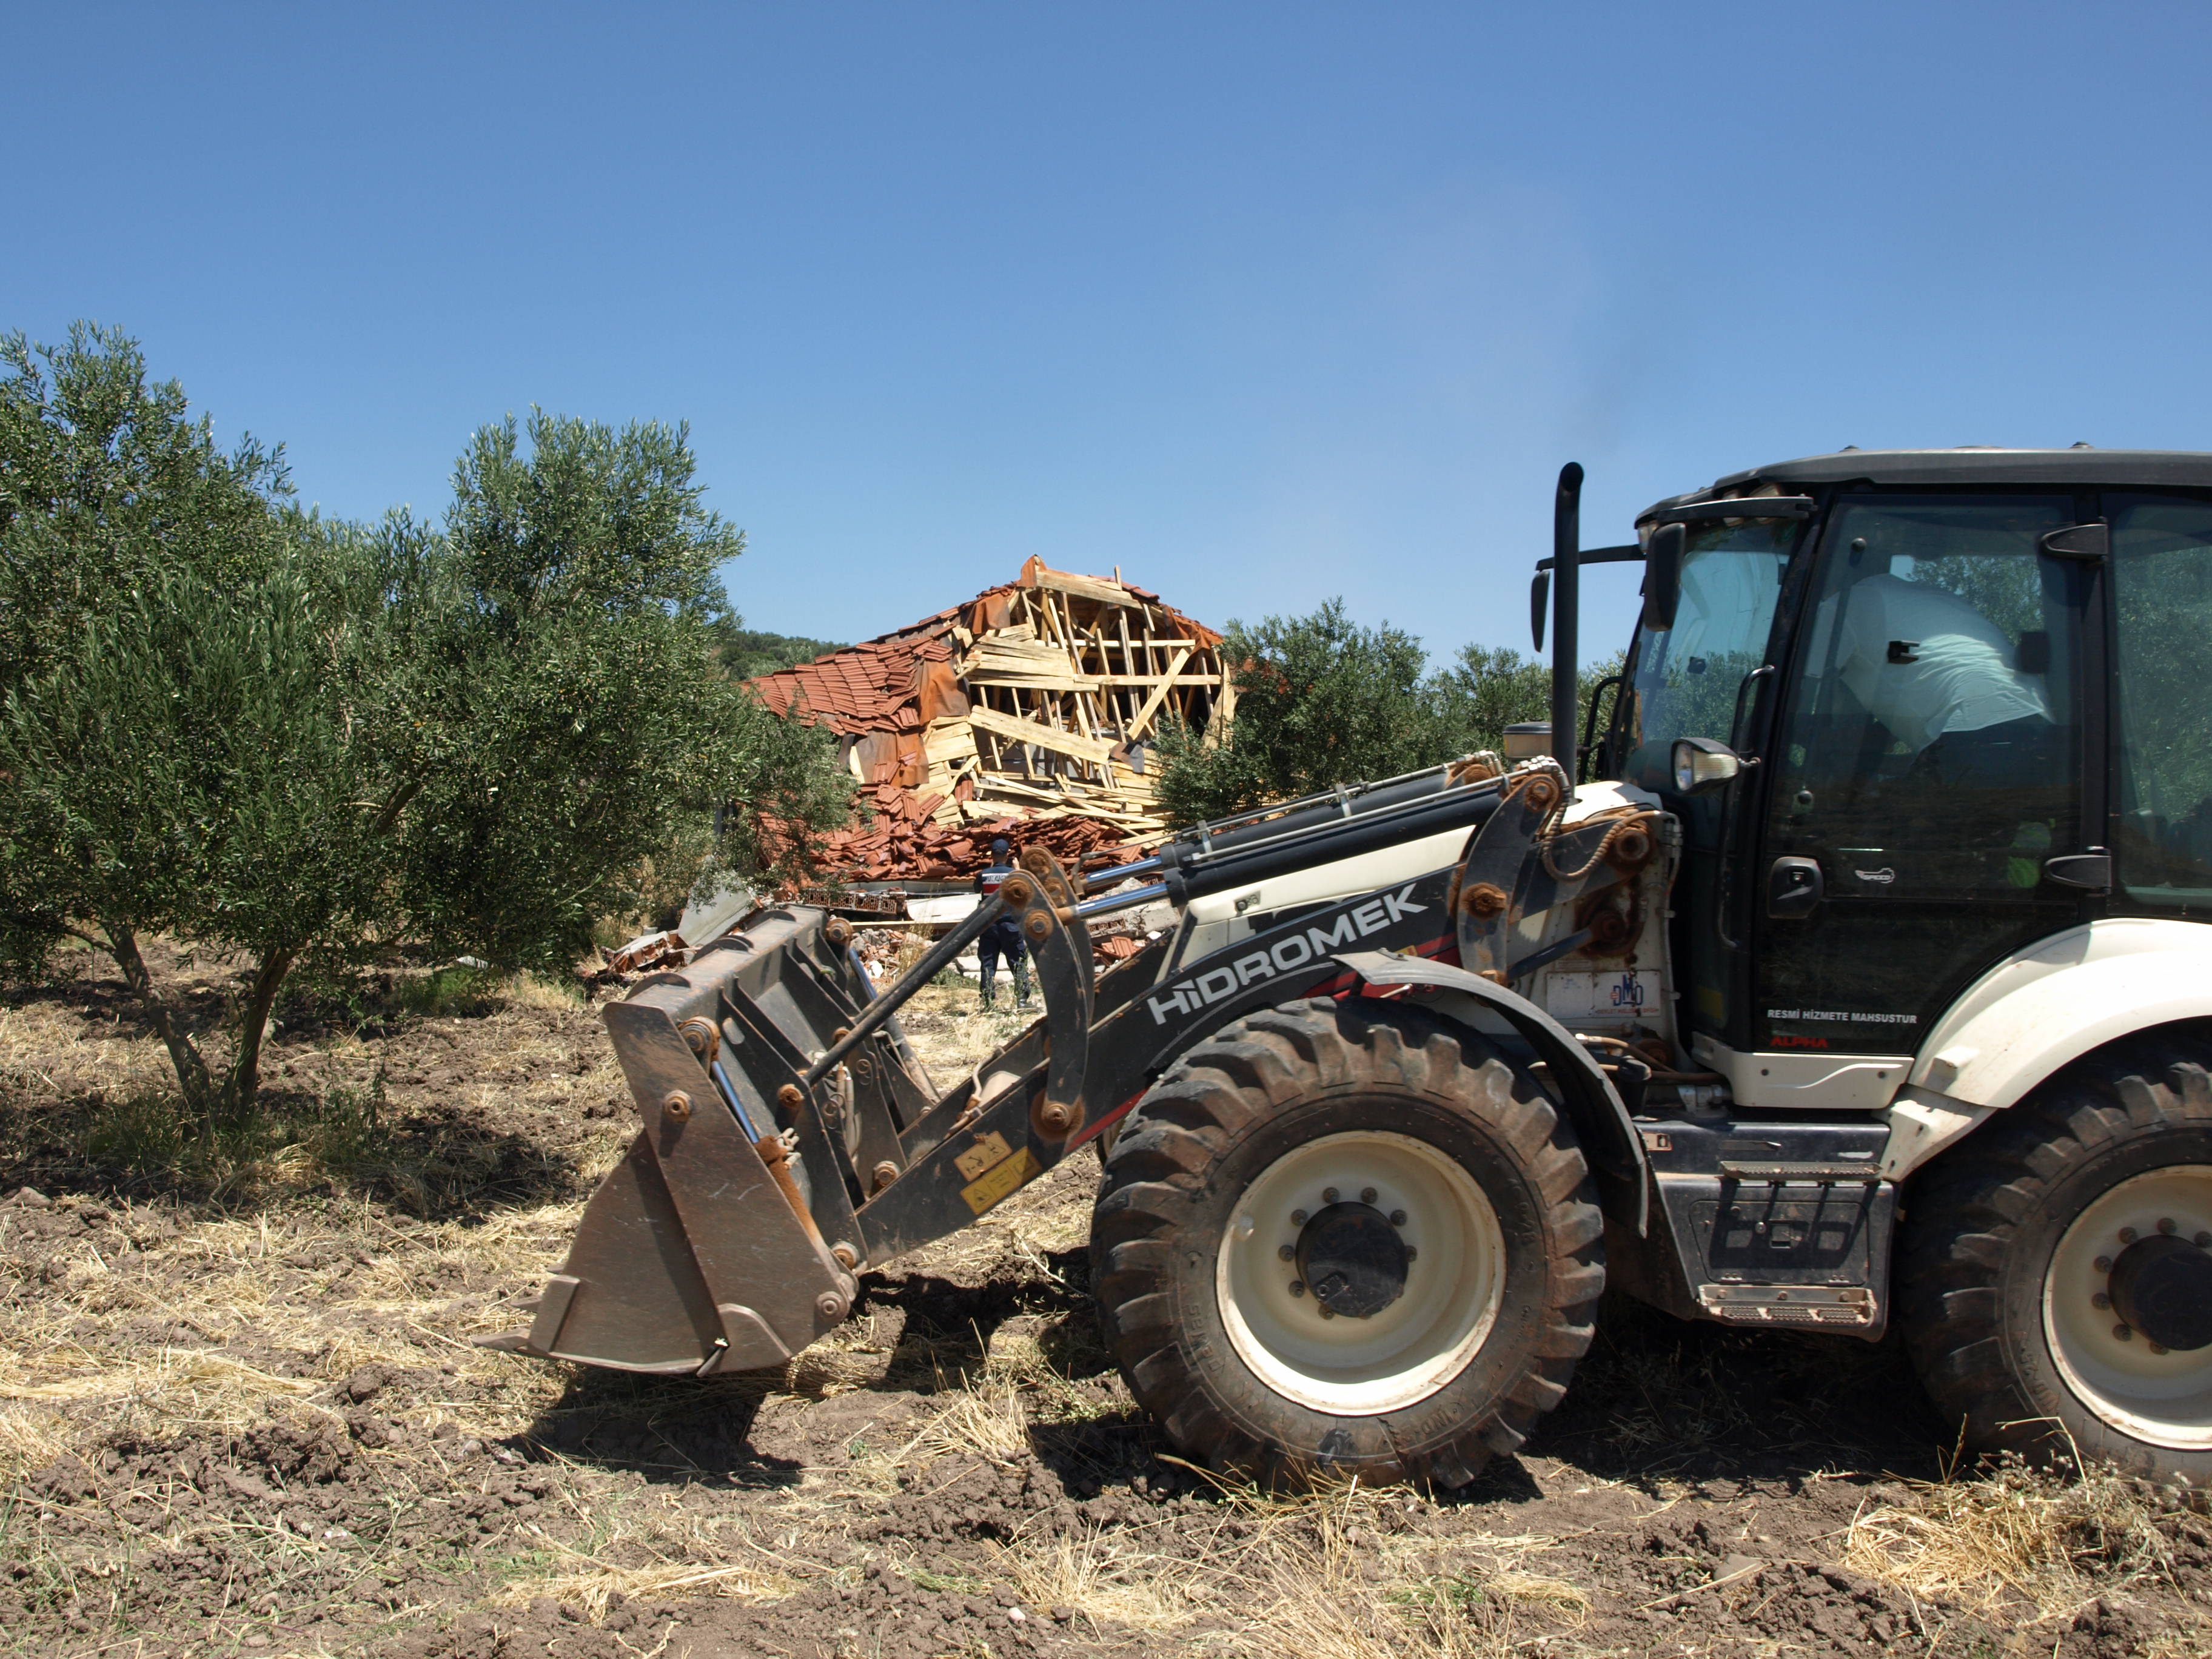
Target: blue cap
(999, 845)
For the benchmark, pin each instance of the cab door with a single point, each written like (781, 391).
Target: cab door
(1926, 795)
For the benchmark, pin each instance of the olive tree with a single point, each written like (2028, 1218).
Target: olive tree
(1322, 701)
(230, 723)
(600, 727)
(1319, 700)
(200, 733)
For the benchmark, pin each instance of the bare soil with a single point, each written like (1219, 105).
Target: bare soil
(240, 1412)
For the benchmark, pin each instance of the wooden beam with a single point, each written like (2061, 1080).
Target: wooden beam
(1143, 723)
(1085, 587)
(1042, 736)
(1031, 682)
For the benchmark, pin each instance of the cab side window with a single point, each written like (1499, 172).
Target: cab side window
(1932, 748)
(2161, 575)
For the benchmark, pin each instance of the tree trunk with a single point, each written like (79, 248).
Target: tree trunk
(192, 1075)
(244, 1080)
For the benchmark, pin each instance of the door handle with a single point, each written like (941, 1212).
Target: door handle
(1794, 888)
(2078, 541)
(2091, 872)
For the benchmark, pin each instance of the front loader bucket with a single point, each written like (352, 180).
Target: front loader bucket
(722, 1240)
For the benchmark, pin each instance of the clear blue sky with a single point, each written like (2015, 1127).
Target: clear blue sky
(1261, 303)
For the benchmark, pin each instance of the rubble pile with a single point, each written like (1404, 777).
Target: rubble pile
(898, 846)
(1030, 712)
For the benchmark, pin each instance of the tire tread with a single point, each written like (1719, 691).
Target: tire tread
(1277, 1056)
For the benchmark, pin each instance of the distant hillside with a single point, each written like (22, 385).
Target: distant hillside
(747, 652)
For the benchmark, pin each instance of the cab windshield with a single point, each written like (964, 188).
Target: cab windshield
(1687, 677)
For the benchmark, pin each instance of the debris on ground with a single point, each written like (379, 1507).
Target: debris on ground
(664, 949)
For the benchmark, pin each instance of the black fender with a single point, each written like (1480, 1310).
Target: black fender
(1601, 1122)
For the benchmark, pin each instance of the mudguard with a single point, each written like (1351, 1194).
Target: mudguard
(2036, 1012)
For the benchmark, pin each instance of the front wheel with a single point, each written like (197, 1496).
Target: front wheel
(1346, 1239)
(2057, 1268)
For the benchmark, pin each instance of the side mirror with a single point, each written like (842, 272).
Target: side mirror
(1662, 576)
(1701, 764)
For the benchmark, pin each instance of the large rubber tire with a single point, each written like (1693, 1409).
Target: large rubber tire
(1268, 1108)
(2003, 1253)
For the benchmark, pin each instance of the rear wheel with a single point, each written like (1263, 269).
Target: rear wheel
(1346, 1239)
(2056, 1270)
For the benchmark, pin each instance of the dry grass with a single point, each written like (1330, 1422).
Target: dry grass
(341, 1275)
(2050, 1540)
(309, 1249)
(1325, 1574)
(982, 1422)
(1118, 1578)
(528, 990)
(951, 1030)
(641, 1550)
(71, 1374)
(47, 1052)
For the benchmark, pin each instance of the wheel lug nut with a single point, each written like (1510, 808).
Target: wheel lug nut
(1298, 1218)
(2103, 1264)
(2165, 1224)
(1411, 1253)
(1298, 1287)
(1327, 1312)
(2158, 1347)
(1367, 1196)
(1328, 1194)
(2101, 1300)
(1397, 1217)
(2128, 1235)
(2202, 1241)
(1288, 1252)
(2122, 1332)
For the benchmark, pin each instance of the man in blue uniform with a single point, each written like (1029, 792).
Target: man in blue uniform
(1003, 938)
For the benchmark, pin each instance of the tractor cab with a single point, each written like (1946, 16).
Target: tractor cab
(1915, 712)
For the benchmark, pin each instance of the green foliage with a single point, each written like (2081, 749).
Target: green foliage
(1487, 689)
(175, 754)
(106, 479)
(1321, 701)
(226, 721)
(747, 654)
(339, 1136)
(1490, 687)
(444, 993)
(209, 758)
(597, 730)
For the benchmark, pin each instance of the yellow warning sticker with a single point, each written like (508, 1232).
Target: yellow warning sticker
(987, 1151)
(1003, 1183)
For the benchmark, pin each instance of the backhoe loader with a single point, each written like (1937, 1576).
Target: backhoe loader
(1848, 968)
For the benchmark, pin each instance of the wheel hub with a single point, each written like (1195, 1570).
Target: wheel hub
(2127, 1306)
(1352, 1259)
(1406, 1260)
(2162, 1286)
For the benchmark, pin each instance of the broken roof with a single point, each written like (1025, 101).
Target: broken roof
(1032, 701)
(879, 684)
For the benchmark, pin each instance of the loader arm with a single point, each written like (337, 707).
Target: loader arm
(790, 1140)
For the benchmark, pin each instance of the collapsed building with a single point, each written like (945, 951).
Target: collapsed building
(1030, 711)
